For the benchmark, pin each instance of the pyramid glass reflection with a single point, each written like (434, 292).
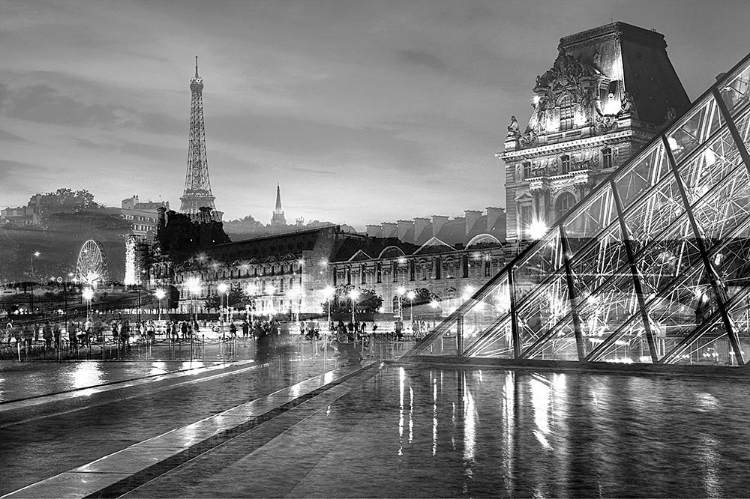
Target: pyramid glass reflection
(653, 266)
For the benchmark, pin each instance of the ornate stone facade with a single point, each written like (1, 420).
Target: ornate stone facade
(609, 91)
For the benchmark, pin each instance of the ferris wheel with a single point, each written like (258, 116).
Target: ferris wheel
(91, 267)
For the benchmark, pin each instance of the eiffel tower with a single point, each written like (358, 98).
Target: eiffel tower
(197, 186)
(650, 267)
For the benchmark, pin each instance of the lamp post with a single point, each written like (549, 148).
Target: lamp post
(252, 292)
(353, 295)
(271, 289)
(160, 294)
(328, 292)
(31, 297)
(411, 295)
(194, 287)
(401, 291)
(224, 290)
(88, 294)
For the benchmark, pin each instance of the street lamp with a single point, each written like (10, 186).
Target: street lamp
(401, 292)
(354, 295)
(271, 289)
(36, 254)
(88, 294)
(194, 287)
(223, 288)
(160, 294)
(328, 293)
(411, 295)
(252, 292)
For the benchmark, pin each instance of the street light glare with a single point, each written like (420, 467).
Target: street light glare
(88, 293)
(401, 290)
(222, 287)
(160, 294)
(354, 294)
(537, 229)
(411, 295)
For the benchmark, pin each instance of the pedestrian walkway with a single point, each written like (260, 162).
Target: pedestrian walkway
(124, 471)
(112, 435)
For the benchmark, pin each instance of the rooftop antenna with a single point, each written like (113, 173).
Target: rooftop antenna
(196, 66)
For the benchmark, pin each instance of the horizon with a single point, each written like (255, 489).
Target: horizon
(364, 113)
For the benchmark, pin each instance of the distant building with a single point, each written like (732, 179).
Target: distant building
(143, 217)
(445, 259)
(610, 90)
(23, 215)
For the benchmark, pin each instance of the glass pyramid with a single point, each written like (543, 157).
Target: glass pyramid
(652, 267)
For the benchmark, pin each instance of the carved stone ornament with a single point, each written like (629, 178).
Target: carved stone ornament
(528, 139)
(605, 123)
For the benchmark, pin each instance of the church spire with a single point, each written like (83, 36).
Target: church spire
(278, 213)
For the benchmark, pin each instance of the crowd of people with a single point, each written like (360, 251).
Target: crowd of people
(75, 334)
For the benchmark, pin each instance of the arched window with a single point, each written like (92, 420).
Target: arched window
(607, 157)
(564, 164)
(438, 268)
(394, 271)
(379, 272)
(412, 270)
(563, 204)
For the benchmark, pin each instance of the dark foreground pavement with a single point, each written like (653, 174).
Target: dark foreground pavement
(126, 436)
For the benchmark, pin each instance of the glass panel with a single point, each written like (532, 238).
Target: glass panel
(608, 308)
(542, 310)
(724, 208)
(631, 345)
(650, 167)
(712, 164)
(743, 127)
(499, 344)
(651, 216)
(590, 218)
(694, 128)
(735, 91)
(561, 345)
(600, 261)
(484, 315)
(679, 309)
(667, 257)
(711, 344)
(538, 264)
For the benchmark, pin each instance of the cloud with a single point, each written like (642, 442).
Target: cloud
(42, 103)
(421, 58)
(10, 137)
(21, 179)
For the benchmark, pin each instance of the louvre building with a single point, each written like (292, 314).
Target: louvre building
(651, 266)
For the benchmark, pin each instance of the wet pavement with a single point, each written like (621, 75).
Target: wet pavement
(77, 418)
(293, 423)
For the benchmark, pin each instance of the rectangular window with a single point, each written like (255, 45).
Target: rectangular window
(379, 272)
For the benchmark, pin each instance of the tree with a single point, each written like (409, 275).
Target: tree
(66, 200)
(366, 304)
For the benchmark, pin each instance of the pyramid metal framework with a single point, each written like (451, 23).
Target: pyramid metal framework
(653, 266)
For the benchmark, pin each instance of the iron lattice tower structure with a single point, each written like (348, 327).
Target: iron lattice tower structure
(197, 185)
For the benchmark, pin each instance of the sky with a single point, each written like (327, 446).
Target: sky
(363, 111)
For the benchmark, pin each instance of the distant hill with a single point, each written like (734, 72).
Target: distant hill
(59, 240)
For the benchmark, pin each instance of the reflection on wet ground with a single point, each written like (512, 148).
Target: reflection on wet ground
(411, 432)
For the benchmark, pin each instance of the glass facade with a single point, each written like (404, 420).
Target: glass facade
(652, 267)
